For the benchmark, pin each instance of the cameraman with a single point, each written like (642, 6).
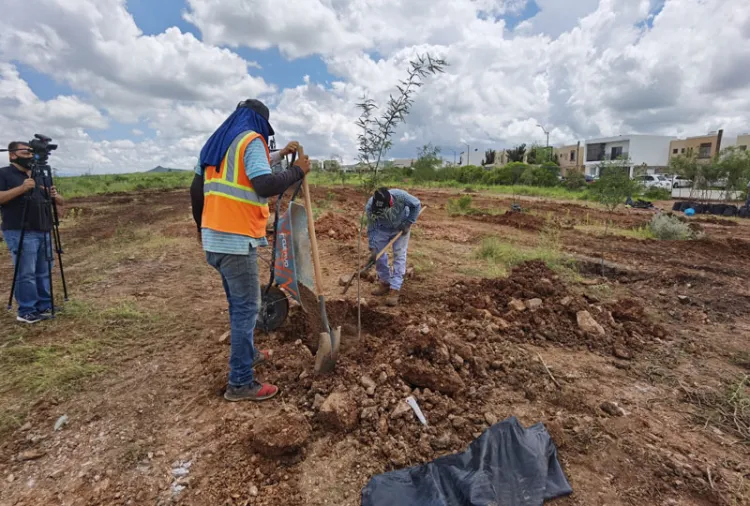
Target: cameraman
(33, 283)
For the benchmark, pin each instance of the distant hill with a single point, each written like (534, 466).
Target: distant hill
(159, 168)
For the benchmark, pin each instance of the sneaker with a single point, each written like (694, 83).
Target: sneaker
(47, 313)
(392, 299)
(255, 392)
(382, 289)
(262, 356)
(29, 318)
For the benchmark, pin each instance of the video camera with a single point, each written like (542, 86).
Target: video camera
(41, 147)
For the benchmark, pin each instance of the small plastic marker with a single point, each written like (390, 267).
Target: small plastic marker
(413, 403)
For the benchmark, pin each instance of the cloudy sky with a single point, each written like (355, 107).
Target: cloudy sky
(127, 85)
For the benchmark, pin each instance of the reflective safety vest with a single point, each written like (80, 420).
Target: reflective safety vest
(230, 202)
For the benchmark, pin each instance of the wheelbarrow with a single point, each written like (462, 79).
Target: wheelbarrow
(292, 269)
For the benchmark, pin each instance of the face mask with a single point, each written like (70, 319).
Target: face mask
(23, 162)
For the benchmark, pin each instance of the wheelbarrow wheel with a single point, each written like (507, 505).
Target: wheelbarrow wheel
(274, 308)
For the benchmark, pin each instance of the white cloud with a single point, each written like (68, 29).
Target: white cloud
(581, 68)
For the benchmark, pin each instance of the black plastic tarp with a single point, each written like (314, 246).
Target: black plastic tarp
(508, 465)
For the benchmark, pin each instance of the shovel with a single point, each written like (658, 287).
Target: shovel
(330, 339)
(370, 263)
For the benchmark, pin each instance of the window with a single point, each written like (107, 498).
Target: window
(615, 153)
(595, 152)
(743, 148)
(675, 151)
(682, 150)
(705, 150)
(572, 156)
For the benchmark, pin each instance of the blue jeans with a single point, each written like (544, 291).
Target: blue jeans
(33, 282)
(239, 275)
(378, 240)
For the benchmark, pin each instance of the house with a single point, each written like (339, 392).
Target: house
(641, 153)
(401, 163)
(569, 157)
(705, 147)
(743, 142)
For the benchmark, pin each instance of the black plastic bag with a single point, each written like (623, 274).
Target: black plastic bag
(507, 465)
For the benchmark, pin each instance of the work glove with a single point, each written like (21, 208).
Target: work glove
(405, 228)
(373, 257)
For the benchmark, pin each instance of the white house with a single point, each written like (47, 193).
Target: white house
(648, 153)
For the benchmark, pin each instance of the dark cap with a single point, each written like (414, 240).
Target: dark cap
(381, 200)
(260, 108)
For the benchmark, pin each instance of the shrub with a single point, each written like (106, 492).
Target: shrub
(670, 228)
(575, 180)
(461, 205)
(470, 174)
(654, 193)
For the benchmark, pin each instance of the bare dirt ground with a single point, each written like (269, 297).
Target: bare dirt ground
(650, 408)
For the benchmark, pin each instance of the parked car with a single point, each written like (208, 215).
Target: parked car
(655, 181)
(681, 182)
(591, 178)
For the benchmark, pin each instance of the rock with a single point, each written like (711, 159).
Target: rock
(497, 365)
(442, 442)
(369, 413)
(457, 360)
(401, 410)
(340, 411)
(459, 422)
(25, 427)
(534, 304)
(383, 426)
(422, 374)
(31, 454)
(279, 434)
(383, 377)
(369, 385)
(587, 323)
(622, 352)
(517, 305)
(253, 491)
(424, 330)
(304, 374)
(225, 337)
(490, 418)
(444, 353)
(684, 299)
(344, 280)
(502, 323)
(61, 422)
(566, 301)
(11, 478)
(612, 408)
(318, 402)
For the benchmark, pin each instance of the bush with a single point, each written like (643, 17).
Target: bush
(657, 194)
(575, 180)
(670, 228)
(539, 176)
(461, 205)
(470, 174)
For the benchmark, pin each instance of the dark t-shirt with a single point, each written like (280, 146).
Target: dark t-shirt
(37, 211)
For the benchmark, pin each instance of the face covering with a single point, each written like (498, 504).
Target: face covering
(23, 162)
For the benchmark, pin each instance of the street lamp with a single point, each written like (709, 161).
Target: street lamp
(549, 153)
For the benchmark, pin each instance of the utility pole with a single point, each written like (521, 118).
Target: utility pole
(547, 146)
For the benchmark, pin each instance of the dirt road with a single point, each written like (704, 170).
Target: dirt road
(136, 364)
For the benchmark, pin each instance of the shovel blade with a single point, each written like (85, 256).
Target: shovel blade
(328, 350)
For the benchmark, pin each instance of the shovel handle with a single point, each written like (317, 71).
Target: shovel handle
(313, 239)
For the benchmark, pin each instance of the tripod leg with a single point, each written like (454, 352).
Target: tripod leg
(58, 247)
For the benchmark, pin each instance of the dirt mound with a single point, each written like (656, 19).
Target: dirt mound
(336, 226)
(521, 221)
(534, 305)
(279, 434)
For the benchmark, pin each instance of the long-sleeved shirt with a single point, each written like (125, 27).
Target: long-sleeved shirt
(405, 210)
(265, 184)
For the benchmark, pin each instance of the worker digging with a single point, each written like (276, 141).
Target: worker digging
(390, 213)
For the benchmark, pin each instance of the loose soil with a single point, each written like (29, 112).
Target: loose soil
(151, 426)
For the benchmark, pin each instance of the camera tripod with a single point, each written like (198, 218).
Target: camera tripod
(41, 171)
